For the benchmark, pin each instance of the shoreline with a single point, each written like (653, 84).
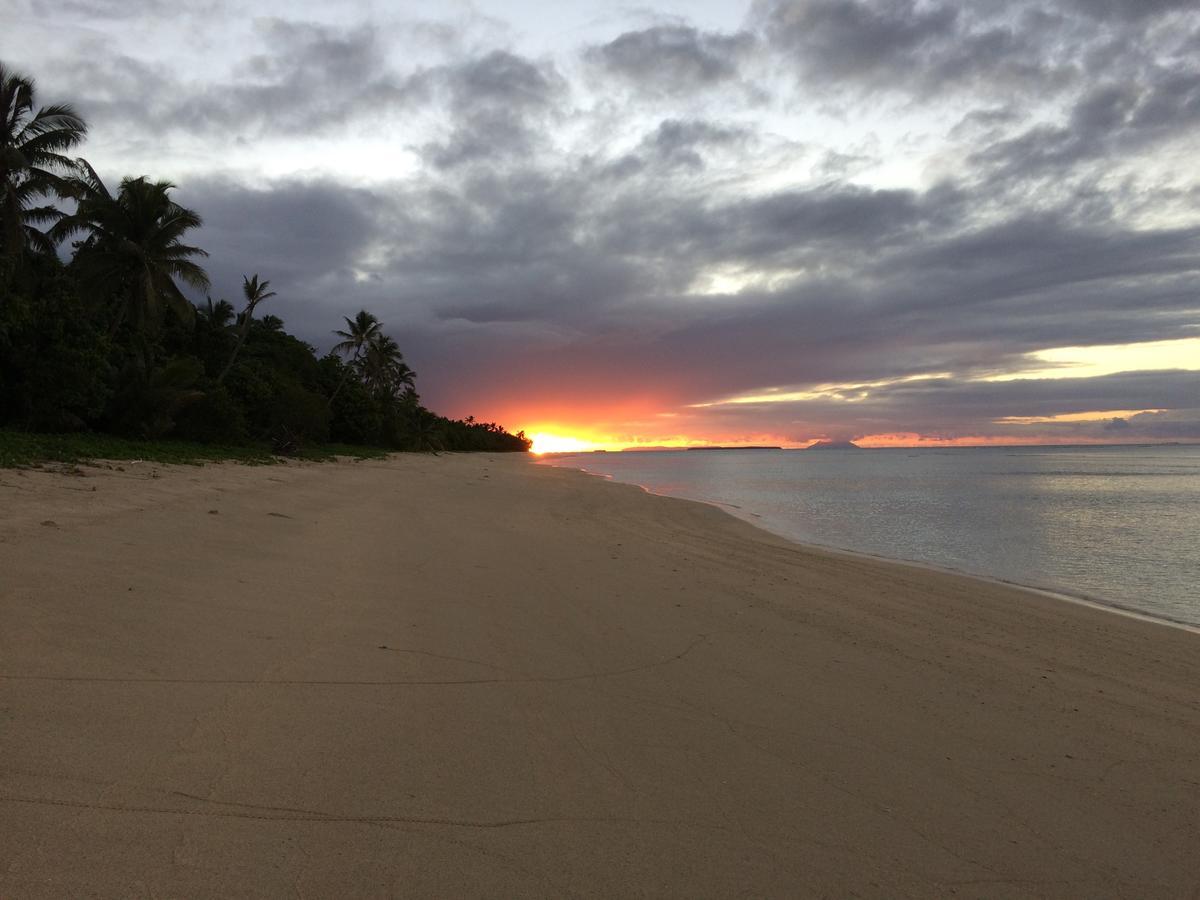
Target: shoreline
(1065, 595)
(472, 675)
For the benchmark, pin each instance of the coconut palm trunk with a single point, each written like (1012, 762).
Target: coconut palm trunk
(255, 292)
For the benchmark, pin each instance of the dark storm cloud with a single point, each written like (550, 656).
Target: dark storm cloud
(789, 226)
(984, 121)
(508, 247)
(1163, 426)
(1043, 397)
(680, 144)
(820, 329)
(1129, 9)
(673, 59)
(307, 237)
(564, 274)
(310, 79)
(896, 44)
(832, 225)
(1037, 256)
(501, 105)
(522, 244)
(318, 80)
(683, 143)
(950, 408)
(1107, 121)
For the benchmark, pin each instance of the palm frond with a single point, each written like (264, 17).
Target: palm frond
(39, 242)
(188, 271)
(42, 215)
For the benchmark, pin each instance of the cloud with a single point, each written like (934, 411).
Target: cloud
(308, 79)
(929, 47)
(683, 143)
(107, 10)
(1176, 425)
(953, 408)
(1123, 69)
(1128, 9)
(1110, 120)
(311, 239)
(317, 81)
(673, 59)
(501, 105)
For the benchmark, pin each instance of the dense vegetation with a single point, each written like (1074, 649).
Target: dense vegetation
(97, 336)
(20, 448)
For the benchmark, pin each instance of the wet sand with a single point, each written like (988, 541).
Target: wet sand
(475, 676)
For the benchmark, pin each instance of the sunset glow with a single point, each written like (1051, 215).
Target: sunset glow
(557, 443)
(1090, 362)
(1097, 416)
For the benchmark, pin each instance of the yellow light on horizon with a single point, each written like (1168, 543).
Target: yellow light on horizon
(555, 442)
(1109, 359)
(1101, 415)
(846, 393)
(544, 442)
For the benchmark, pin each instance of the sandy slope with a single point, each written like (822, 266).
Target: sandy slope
(474, 676)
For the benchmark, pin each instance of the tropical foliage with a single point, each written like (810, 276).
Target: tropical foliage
(98, 334)
(33, 164)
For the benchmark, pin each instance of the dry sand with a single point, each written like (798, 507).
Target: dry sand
(475, 676)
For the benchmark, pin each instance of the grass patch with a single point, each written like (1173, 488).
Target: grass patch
(327, 452)
(23, 449)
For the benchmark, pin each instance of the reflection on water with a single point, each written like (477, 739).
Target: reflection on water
(1121, 524)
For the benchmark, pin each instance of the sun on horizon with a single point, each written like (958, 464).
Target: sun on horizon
(544, 442)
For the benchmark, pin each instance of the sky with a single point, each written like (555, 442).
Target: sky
(673, 223)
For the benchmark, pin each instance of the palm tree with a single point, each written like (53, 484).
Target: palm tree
(384, 369)
(360, 332)
(32, 164)
(217, 315)
(255, 292)
(135, 242)
(214, 337)
(425, 433)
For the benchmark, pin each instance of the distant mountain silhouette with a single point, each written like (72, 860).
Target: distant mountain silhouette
(833, 445)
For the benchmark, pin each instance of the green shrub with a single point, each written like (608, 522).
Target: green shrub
(215, 418)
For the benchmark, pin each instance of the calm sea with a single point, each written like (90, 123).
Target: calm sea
(1116, 524)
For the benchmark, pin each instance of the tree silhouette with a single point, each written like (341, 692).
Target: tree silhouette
(255, 292)
(358, 334)
(134, 244)
(383, 368)
(32, 163)
(217, 315)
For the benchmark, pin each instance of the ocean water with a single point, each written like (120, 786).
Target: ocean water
(1119, 525)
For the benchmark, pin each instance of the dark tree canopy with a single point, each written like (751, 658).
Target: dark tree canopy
(108, 340)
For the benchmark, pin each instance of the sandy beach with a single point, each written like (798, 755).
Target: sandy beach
(470, 676)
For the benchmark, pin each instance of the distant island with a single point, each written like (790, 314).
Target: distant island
(833, 445)
(735, 448)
